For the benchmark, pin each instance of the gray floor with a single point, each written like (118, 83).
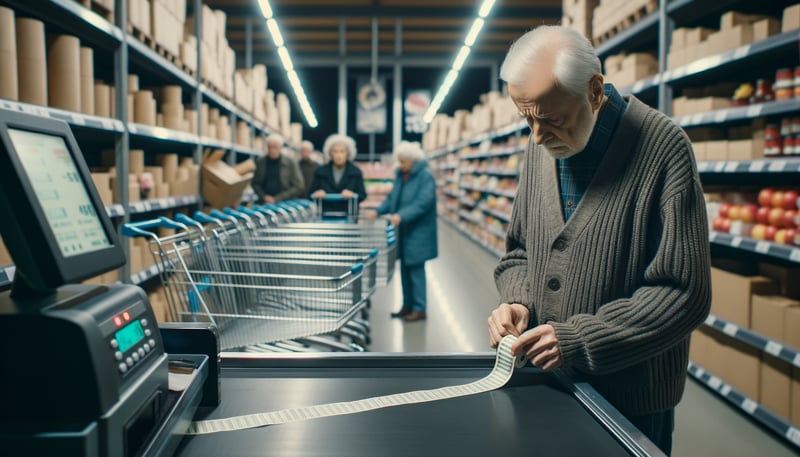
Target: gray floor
(461, 294)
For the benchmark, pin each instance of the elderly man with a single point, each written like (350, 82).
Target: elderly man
(277, 176)
(606, 270)
(307, 166)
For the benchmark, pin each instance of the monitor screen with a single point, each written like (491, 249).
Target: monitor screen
(61, 192)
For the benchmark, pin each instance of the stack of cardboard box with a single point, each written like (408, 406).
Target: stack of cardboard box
(624, 70)
(612, 16)
(578, 15)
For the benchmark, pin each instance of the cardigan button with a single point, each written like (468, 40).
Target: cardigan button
(554, 284)
(560, 244)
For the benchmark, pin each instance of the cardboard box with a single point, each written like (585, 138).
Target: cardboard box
(697, 35)
(717, 150)
(775, 385)
(679, 38)
(745, 149)
(738, 364)
(732, 19)
(699, 151)
(248, 166)
(791, 328)
(791, 18)
(766, 28)
(788, 278)
(795, 397)
(731, 295)
(222, 184)
(5, 258)
(768, 314)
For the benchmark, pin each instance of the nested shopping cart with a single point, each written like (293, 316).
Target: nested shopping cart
(252, 298)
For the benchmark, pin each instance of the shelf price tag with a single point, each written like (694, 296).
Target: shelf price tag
(773, 348)
(720, 116)
(793, 435)
(35, 110)
(796, 360)
(637, 87)
(736, 241)
(754, 111)
(731, 167)
(702, 166)
(730, 329)
(777, 165)
(699, 372)
(697, 119)
(132, 128)
(756, 166)
(107, 124)
(741, 52)
(794, 255)
(714, 382)
(78, 119)
(726, 389)
(711, 320)
(712, 236)
(749, 405)
(719, 166)
(762, 247)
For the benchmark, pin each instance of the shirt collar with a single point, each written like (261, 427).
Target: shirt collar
(603, 130)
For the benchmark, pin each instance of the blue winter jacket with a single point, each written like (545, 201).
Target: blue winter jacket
(415, 202)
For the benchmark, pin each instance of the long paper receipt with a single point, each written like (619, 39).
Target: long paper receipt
(504, 365)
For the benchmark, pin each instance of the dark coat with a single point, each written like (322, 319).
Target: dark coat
(291, 180)
(352, 180)
(307, 169)
(415, 202)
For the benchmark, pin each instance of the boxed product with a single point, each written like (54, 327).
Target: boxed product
(732, 295)
(222, 184)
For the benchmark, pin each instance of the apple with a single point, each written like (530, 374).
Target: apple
(724, 208)
(769, 235)
(777, 199)
(759, 231)
(797, 238)
(788, 218)
(735, 212)
(790, 199)
(721, 224)
(775, 217)
(791, 235)
(785, 236)
(797, 219)
(765, 196)
(747, 213)
(762, 215)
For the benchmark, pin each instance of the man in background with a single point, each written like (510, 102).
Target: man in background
(277, 175)
(307, 166)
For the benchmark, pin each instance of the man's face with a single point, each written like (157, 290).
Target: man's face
(339, 155)
(274, 149)
(561, 122)
(305, 152)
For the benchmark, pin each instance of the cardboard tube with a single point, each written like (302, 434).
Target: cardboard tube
(102, 104)
(144, 108)
(172, 95)
(8, 55)
(64, 72)
(31, 61)
(133, 84)
(87, 80)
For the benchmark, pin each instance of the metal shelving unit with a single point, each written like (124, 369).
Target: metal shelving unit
(756, 340)
(776, 251)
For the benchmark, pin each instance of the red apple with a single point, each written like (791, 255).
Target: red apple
(777, 199)
(790, 199)
(762, 215)
(769, 235)
(724, 208)
(716, 224)
(747, 213)
(788, 218)
(765, 196)
(735, 212)
(791, 234)
(783, 236)
(759, 231)
(775, 217)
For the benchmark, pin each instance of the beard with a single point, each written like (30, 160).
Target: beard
(559, 149)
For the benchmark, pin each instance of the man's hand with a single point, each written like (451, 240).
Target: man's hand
(395, 219)
(540, 345)
(371, 214)
(507, 319)
(318, 194)
(347, 194)
(269, 199)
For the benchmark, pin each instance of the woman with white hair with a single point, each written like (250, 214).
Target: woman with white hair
(411, 207)
(339, 175)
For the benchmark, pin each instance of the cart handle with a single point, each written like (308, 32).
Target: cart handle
(220, 215)
(186, 220)
(337, 197)
(237, 214)
(357, 268)
(137, 229)
(264, 209)
(200, 216)
(248, 211)
(374, 253)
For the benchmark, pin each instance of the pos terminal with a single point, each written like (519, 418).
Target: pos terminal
(84, 370)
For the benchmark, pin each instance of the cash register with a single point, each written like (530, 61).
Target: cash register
(83, 369)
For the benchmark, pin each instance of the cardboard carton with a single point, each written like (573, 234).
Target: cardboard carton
(222, 184)
(731, 297)
(775, 379)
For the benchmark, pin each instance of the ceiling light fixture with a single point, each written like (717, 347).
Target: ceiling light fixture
(458, 63)
(286, 61)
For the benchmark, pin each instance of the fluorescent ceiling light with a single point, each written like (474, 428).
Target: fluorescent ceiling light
(449, 81)
(461, 57)
(486, 8)
(272, 25)
(283, 53)
(266, 10)
(477, 25)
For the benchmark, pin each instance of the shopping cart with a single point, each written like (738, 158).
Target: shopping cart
(251, 299)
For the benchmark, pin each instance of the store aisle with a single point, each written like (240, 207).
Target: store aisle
(461, 294)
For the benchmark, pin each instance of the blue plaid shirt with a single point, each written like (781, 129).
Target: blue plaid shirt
(575, 173)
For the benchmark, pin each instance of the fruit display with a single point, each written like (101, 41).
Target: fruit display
(772, 215)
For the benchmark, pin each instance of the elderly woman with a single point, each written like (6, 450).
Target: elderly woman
(411, 207)
(338, 175)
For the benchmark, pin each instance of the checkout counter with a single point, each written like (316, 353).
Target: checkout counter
(88, 372)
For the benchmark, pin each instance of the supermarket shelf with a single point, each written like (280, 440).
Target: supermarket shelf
(450, 194)
(472, 237)
(758, 341)
(161, 133)
(498, 214)
(149, 59)
(511, 173)
(747, 405)
(7, 276)
(496, 152)
(160, 204)
(239, 149)
(73, 118)
(447, 167)
(640, 32)
(145, 275)
(115, 210)
(72, 16)
(215, 143)
(649, 83)
(784, 165)
(468, 202)
(739, 113)
(502, 193)
(490, 135)
(775, 250)
(218, 99)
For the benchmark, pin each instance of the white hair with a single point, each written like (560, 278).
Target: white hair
(276, 138)
(409, 150)
(307, 144)
(576, 61)
(344, 140)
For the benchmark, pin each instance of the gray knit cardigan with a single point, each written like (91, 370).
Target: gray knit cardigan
(626, 280)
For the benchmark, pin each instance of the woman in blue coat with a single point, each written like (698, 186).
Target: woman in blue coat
(411, 206)
(339, 176)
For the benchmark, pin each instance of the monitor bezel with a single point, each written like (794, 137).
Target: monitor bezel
(29, 239)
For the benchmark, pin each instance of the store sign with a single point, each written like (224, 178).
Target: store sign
(415, 105)
(371, 106)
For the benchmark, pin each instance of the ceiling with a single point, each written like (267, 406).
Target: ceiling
(428, 32)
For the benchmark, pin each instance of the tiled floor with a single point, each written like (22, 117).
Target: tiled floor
(461, 294)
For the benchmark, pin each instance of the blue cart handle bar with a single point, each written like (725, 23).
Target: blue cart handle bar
(144, 228)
